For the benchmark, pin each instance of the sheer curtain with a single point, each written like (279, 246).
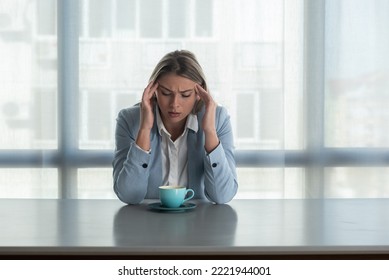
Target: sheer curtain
(305, 83)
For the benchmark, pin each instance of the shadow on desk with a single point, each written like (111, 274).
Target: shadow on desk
(206, 225)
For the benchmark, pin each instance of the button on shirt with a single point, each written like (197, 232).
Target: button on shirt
(175, 153)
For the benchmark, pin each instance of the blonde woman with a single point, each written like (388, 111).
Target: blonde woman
(177, 135)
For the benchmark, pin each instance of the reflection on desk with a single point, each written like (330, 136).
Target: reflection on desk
(206, 225)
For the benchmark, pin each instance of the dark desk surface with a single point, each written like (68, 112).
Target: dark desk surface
(242, 227)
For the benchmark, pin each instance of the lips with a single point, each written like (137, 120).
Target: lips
(174, 114)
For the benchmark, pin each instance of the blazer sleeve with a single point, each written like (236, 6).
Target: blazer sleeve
(130, 164)
(220, 178)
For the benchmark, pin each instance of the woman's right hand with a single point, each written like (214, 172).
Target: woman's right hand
(146, 116)
(147, 106)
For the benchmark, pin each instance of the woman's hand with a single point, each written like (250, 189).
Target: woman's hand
(209, 123)
(146, 116)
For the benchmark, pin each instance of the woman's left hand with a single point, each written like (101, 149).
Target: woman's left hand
(209, 124)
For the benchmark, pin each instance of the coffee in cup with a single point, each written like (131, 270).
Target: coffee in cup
(174, 196)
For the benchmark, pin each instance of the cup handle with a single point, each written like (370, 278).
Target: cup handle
(190, 195)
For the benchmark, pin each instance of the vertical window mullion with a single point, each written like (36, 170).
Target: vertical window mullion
(314, 79)
(68, 91)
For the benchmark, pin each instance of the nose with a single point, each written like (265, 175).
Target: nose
(174, 101)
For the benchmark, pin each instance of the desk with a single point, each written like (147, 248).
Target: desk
(264, 228)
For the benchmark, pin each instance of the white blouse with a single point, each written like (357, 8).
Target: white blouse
(175, 154)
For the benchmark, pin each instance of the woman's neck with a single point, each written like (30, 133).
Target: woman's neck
(175, 129)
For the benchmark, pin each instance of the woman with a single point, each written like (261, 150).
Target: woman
(177, 135)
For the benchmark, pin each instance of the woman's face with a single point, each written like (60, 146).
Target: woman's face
(176, 98)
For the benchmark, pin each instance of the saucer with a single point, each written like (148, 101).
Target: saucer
(183, 207)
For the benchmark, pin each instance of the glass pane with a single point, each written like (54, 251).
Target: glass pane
(95, 183)
(357, 182)
(357, 79)
(267, 56)
(150, 18)
(246, 119)
(100, 19)
(98, 119)
(178, 18)
(126, 98)
(46, 17)
(28, 75)
(270, 183)
(28, 183)
(272, 118)
(259, 20)
(204, 18)
(44, 110)
(126, 15)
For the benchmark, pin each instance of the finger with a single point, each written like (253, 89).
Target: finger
(151, 83)
(150, 90)
(196, 91)
(154, 87)
(203, 94)
(199, 90)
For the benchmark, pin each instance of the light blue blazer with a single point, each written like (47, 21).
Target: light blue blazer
(137, 175)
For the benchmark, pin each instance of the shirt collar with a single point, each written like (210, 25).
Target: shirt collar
(191, 123)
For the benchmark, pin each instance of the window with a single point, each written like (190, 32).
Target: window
(305, 83)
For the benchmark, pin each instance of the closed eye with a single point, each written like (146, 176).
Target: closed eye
(166, 92)
(187, 94)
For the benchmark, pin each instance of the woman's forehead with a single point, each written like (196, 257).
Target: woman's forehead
(174, 82)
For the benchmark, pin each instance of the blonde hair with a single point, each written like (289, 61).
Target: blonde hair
(182, 63)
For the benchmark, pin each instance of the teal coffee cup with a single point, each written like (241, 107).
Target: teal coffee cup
(174, 196)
